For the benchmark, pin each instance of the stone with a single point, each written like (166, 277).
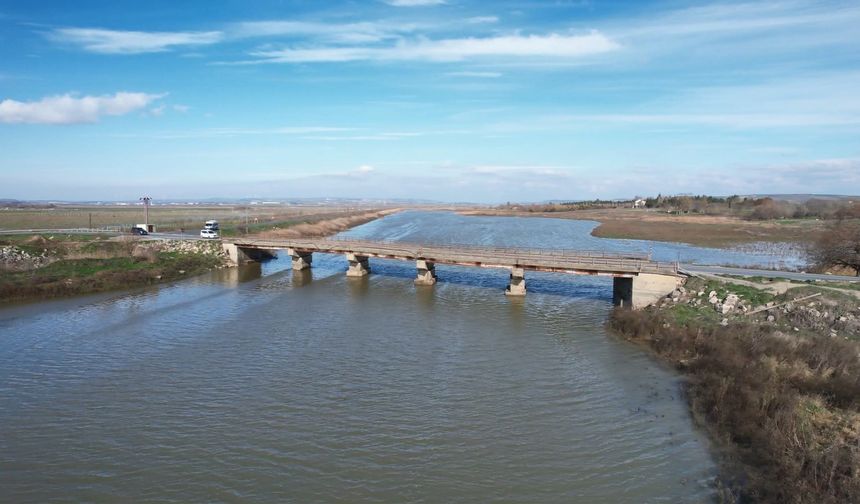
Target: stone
(771, 318)
(724, 322)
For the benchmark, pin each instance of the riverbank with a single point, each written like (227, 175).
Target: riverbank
(312, 228)
(68, 268)
(775, 380)
(694, 229)
(36, 267)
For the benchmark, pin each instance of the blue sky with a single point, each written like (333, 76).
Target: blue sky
(451, 100)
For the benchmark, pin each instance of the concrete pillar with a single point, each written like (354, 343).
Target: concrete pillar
(426, 272)
(302, 259)
(622, 292)
(236, 254)
(358, 265)
(517, 286)
(648, 288)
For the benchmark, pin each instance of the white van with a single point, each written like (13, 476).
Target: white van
(211, 225)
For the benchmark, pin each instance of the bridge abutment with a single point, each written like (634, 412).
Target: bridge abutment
(517, 285)
(642, 290)
(302, 259)
(426, 272)
(359, 265)
(241, 255)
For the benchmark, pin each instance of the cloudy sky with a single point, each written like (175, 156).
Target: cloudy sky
(456, 100)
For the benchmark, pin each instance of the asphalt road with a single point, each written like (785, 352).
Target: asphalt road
(790, 275)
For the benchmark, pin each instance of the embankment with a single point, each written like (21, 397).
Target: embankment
(72, 268)
(775, 380)
(694, 229)
(326, 227)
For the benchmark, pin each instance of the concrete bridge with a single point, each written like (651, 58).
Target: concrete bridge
(637, 280)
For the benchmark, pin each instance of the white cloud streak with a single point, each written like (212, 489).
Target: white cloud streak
(69, 109)
(99, 40)
(547, 46)
(414, 3)
(352, 33)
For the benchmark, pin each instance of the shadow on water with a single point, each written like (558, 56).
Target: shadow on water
(570, 286)
(326, 265)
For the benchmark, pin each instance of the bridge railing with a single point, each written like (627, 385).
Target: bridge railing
(555, 258)
(552, 252)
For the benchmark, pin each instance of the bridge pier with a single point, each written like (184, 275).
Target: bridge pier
(517, 286)
(426, 272)
(358, 265)
(302, 259)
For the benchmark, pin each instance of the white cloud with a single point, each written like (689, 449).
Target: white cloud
(481, 75)
(157, 111)
(364, 169)
(353, 33)
(547, 46)
(181, 108)
(482, 20)
(414, 3)
(104, 41)
(69, 109)
(235, 132)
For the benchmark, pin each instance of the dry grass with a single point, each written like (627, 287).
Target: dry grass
(786, 406)
(695, 229)
(165, 218)
(325, 227)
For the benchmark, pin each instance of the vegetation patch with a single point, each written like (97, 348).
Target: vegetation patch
(775, 380)
(65, 277)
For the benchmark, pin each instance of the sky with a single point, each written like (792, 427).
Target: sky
(449, 100)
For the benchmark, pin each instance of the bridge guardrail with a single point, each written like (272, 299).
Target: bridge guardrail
(549, 258)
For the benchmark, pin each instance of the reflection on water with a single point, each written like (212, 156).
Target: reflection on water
(263, 384)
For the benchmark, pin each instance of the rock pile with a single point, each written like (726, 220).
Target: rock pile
(14, 259)
(821, 314)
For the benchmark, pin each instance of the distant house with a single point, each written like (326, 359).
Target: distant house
(639, 203)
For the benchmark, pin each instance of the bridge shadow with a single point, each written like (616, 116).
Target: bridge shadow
(555, 284)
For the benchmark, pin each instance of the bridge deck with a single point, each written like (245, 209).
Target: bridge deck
(554, 260)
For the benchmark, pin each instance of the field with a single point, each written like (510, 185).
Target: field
(695, 229)
(233, 219)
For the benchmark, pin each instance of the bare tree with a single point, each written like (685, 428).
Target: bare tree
(839, 246)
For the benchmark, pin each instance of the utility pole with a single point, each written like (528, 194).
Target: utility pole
(146, 200)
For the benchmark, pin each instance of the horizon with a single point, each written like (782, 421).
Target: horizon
(442, 100)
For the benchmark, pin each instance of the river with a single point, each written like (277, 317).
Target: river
(255, 384)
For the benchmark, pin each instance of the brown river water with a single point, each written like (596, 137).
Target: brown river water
(260, 385)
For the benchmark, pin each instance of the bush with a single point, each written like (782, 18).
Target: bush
(787, 405)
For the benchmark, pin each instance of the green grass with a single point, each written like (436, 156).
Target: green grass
(751, 295)
(685, 315)
(81, 276)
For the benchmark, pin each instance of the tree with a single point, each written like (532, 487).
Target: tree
(839, 246)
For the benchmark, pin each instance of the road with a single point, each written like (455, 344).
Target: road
(790, 275)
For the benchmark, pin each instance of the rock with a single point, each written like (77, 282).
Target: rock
(771, 318)
(700, 293)
(724, 322)
(713, 293)
(181, 272)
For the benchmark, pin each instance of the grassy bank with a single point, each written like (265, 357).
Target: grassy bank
(88, 267)
(778, 390)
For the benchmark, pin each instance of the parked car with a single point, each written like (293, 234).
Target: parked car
(139, 231)
(208, 233)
